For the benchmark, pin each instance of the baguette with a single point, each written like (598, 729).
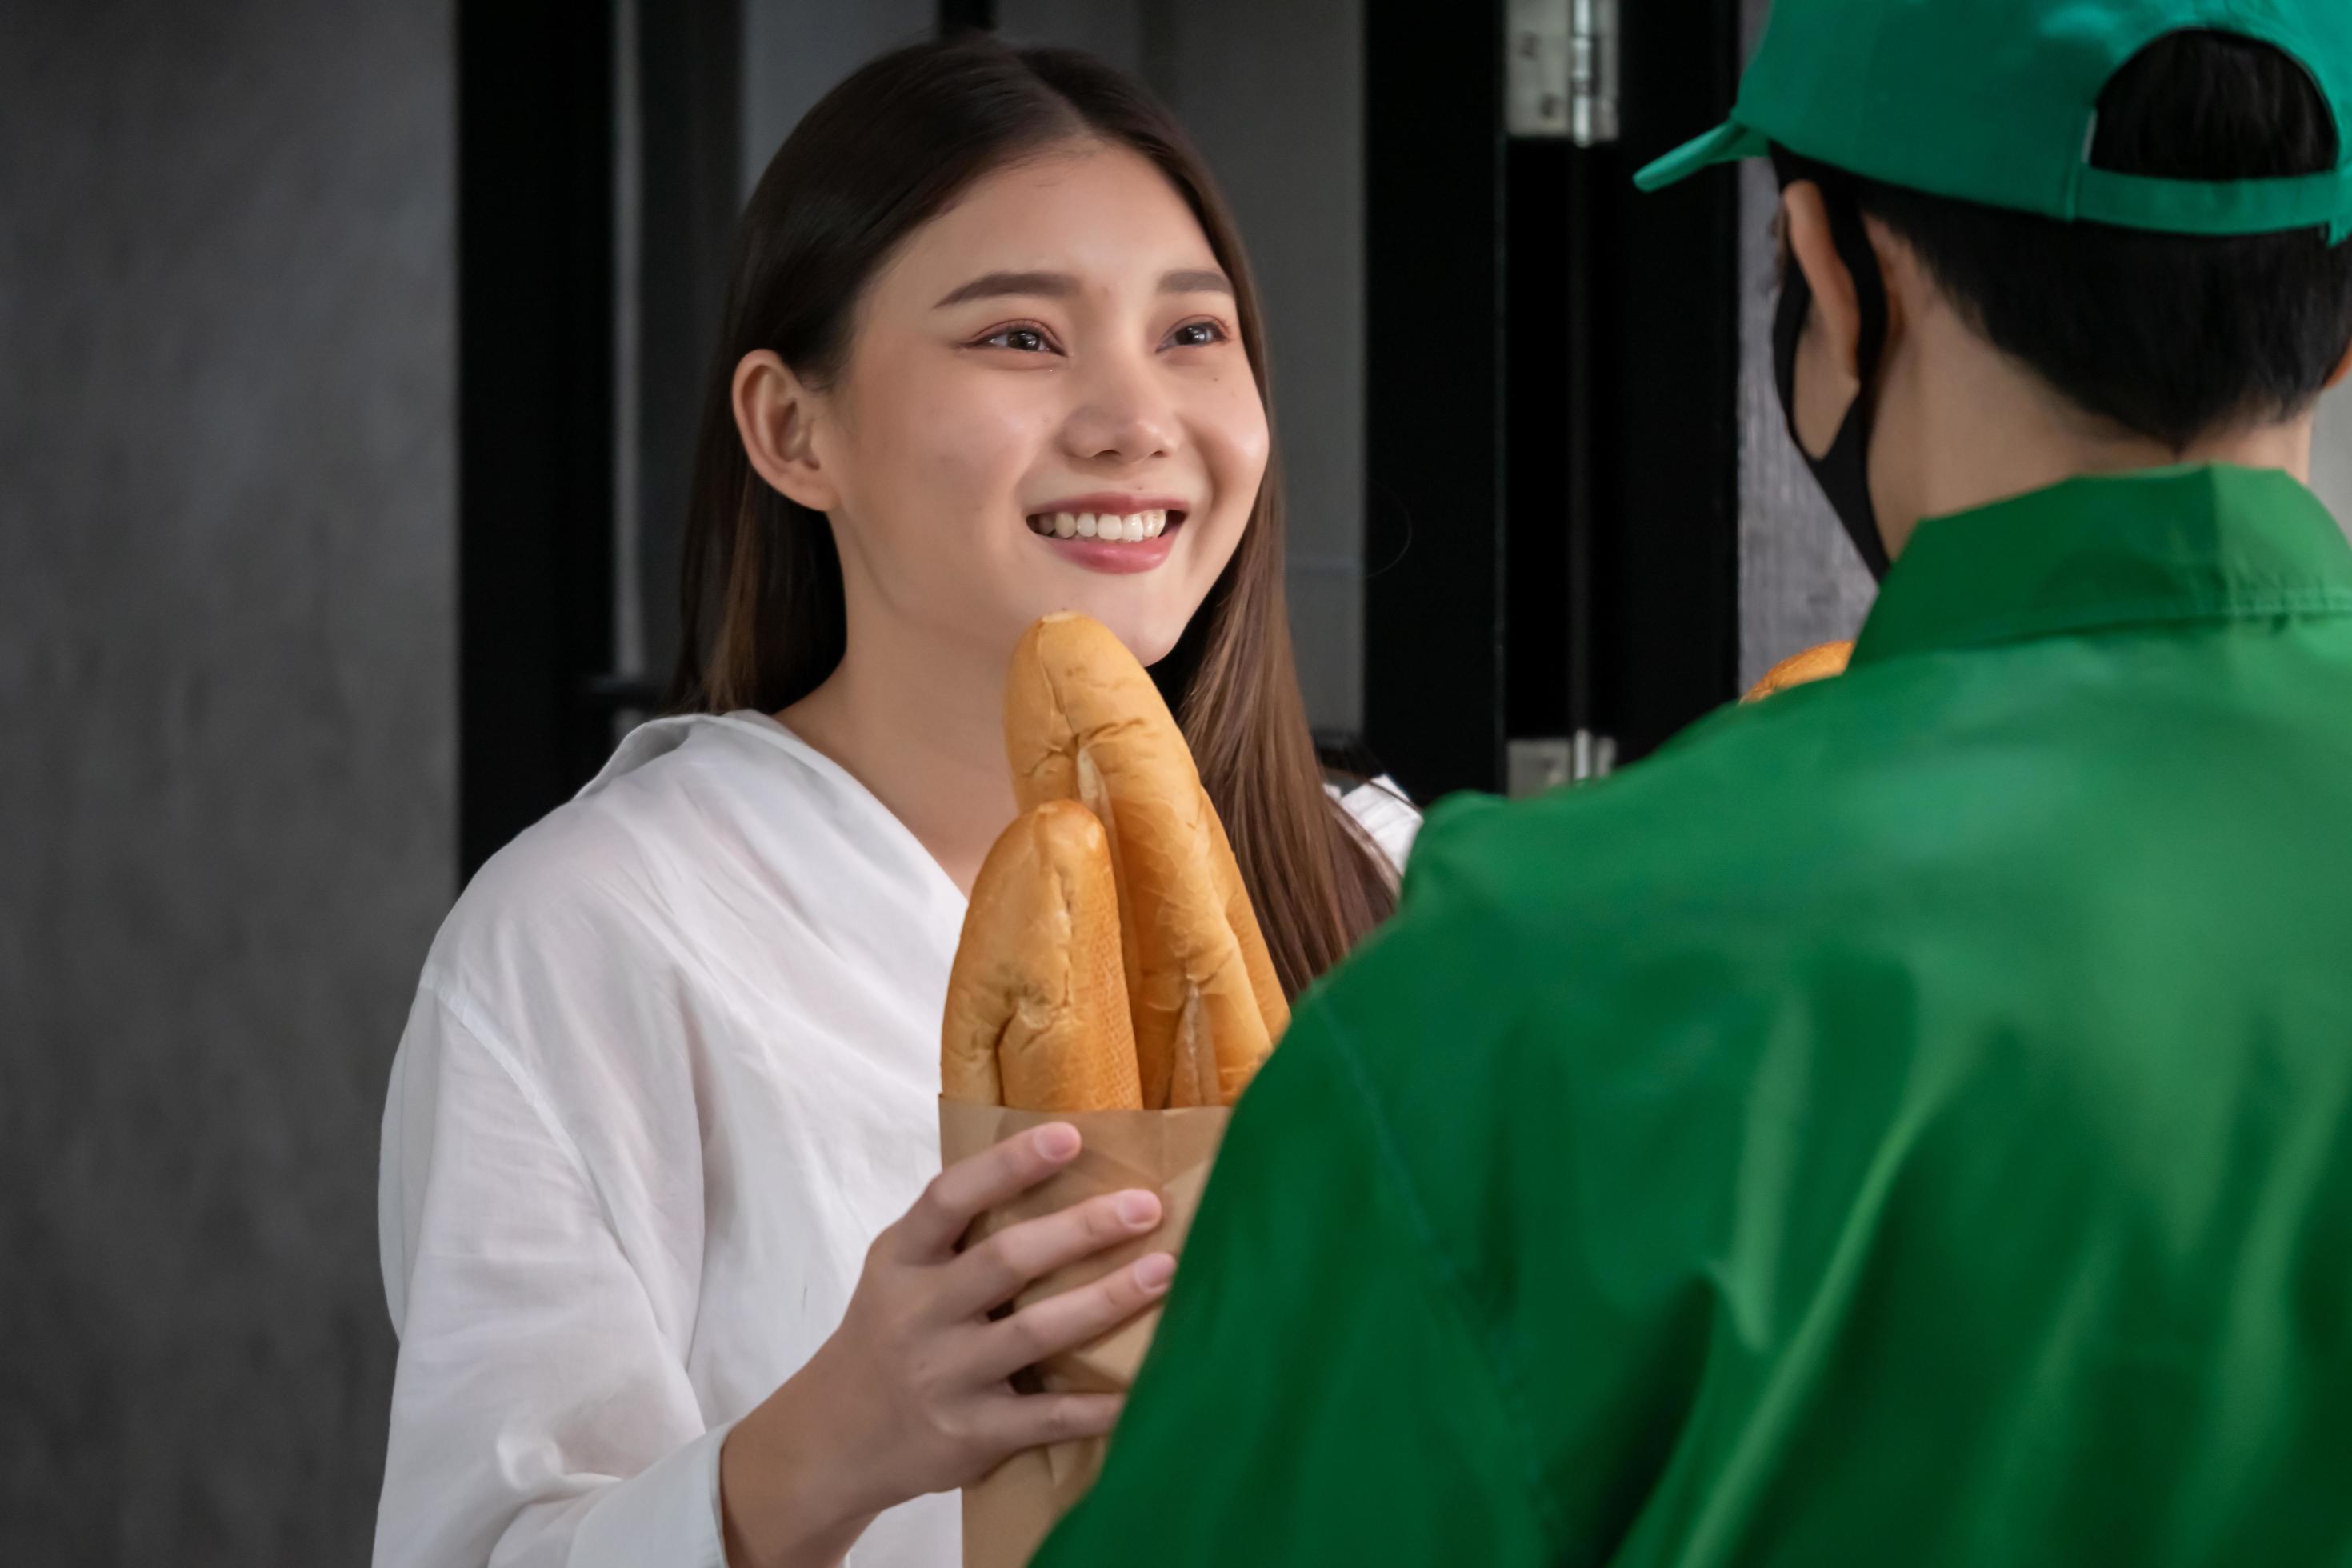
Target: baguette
(1036, 1012)
(1083, 723)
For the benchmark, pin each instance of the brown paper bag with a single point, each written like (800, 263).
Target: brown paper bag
(1007, 1514)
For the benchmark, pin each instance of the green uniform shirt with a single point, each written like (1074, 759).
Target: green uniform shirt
(1906, 1121)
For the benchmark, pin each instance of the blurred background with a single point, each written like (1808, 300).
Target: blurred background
(348, 359)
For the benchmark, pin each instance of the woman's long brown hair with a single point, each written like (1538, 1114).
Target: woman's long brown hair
(763, 619)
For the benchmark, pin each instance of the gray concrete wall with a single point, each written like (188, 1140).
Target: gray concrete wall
(1800, 581)
(1118, 31)
(226, 812)
(794, 52)
(2331, 455)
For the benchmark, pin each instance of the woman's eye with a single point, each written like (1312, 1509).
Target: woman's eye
(1025, 339)
(1197, 335)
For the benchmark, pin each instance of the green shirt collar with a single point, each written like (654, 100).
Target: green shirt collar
(2206, 542)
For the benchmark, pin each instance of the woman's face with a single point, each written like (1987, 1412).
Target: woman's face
(1046, 407)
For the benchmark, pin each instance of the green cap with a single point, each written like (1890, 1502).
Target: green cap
(1996, 101)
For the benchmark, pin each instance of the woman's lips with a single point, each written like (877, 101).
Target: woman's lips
(1115, 542)
(1119, 559)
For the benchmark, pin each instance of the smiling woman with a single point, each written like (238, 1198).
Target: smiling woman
(1043, 311)
(1061, 341)
(675, 1269)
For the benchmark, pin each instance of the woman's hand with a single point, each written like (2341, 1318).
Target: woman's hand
(910, 1395)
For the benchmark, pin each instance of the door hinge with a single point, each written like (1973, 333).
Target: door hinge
(1535, 68)
(1592, 91)
(1560, 69)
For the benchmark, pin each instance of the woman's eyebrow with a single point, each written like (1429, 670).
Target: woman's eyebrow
(1202, 280)
(1062, 286)
(996, 285)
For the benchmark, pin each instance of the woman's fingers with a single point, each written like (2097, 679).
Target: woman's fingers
(1074, 1318)
(1015, 1421)
(965, 1190)
(989, 1275)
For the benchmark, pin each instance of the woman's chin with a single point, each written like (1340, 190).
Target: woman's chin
(1149, 631)
(1149, 649)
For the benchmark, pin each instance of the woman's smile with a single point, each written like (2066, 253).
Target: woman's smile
(1112, 534)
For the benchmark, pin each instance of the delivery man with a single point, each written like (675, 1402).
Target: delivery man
(1909, 1120)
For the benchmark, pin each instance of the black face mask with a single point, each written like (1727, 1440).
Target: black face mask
(1842, 471)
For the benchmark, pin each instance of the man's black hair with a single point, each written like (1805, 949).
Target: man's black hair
(2172, 337)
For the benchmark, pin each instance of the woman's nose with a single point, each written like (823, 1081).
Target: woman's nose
(1123, 416)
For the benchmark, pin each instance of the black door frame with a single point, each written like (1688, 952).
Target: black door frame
(535, 408)
(540, 86)
(1552, 395)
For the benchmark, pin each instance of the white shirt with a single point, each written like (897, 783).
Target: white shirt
(672, 1065)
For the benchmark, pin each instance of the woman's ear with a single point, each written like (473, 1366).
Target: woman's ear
(2343, 369)
(775, 414)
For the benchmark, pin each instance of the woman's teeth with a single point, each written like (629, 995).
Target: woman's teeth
(1132, 529)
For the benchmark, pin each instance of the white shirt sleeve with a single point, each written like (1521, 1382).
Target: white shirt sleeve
(1386, 816)
(542, 1414)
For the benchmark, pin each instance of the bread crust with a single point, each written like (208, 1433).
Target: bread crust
(1818, 663)
(1083, 723)
(1037, 1016)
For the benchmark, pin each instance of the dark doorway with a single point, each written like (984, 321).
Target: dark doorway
(1552, 376)
(598, 187)
(535, 407)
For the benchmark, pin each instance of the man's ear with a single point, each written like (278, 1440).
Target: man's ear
(1829, 352)
(1805, 219)
(775, 416)
(2343, 369)
(1830, 356)
(1837, 309)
